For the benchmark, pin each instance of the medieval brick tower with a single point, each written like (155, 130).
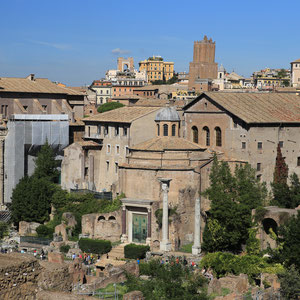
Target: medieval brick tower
(203, 68)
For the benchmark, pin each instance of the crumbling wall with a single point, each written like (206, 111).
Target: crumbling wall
(18, 276)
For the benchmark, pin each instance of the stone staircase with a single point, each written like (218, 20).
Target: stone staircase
(117, 252)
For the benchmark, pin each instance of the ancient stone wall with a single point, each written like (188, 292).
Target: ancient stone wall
(105, 226)
(18, 276)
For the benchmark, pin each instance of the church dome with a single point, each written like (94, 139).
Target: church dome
(167, 114)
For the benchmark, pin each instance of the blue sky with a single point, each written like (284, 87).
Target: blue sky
(72, 41)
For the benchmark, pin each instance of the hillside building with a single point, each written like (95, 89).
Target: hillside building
(157, 68)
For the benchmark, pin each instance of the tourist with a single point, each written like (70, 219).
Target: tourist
(73, 256)
(138, 261)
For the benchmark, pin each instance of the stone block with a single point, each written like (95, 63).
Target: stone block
(61, 229)
(27, 227)
(56, 257)
(134, 295)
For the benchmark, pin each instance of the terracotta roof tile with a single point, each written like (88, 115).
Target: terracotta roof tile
(125, 114)
(258, 107)
(38, 85)
(167, 143)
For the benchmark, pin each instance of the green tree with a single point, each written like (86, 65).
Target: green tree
(289, 239)
(280, 189)
(45, 164)
(172, 80)
(3, 229)
(109, 106)
(168, 281)
(290, 283)
(232, 196)
(31, 200)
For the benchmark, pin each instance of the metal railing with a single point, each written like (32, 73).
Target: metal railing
(35, 240)
(5, 215)
(97, 195)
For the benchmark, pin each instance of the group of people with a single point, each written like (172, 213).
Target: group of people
(88, 259)
(42, 254)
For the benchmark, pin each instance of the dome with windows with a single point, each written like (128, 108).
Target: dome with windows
(168, 114)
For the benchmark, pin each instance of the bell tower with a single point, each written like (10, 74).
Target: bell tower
(203, 65)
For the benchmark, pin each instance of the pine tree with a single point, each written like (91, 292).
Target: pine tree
(281, 169)
(280, 188)
(45, 163)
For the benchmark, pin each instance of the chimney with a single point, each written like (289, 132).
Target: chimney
(30, 77)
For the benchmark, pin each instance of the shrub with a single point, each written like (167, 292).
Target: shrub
(45, 231)
(109, 106)
(135, 251)
(94, 246)
(64, 248)
(226, 263)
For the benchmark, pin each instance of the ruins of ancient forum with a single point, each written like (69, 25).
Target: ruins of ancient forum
(158, 148)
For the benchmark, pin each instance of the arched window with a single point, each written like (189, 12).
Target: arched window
(206, 135)
(173, 130)
(158, 133)
(218, 136)
(165, 130)
(101, 218)
(111, 218)
(195, 134)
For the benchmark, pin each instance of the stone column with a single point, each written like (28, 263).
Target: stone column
(148, 240)
(124, 236)
(196, 249)
(165, 245)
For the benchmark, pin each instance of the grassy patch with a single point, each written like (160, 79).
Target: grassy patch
(121, 289)
(186, 248)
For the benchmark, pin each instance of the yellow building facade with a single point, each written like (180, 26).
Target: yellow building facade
(157, 69)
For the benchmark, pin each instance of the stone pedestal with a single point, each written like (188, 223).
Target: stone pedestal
(165, 244)
(196, 249)
(124, 237)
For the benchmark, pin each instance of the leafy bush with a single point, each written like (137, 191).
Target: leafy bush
(135, 251)
(44, 231)
(3, 229)
(109, 106)
(227, 263)
(64, 248)
(168, 281)
(94, 246)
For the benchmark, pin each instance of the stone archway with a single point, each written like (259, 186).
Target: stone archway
(269, 223)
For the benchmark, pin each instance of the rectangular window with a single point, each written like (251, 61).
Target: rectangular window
(99, 129)
(117, 149)
(258, 167)
(243, 145)
(106, 130)
(86, 171)
(125, 131)
(259, 145)
(108, 148)
(281, 144)
(298, 161)
(116, 167)
(116, 130)
(126, 150)
(107, 165)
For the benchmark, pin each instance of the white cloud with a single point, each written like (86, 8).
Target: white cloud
(119, 51)
(53, 45)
